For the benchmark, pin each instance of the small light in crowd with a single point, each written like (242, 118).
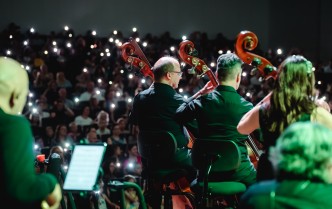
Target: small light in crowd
(77, 100)
(220, 51)
(85, 70)
(108, 54)
(99, 80)
(70, 35)
(184, 37)
(172, 48)
(55, 50)
(119, 43)
(145, 44)
(229, 51)
(130, 76)
(32, 30)
(68, 45)
(36, 146)
(185, 96)
(29, 104)
(54, 43)
(323, 98)
(27, 67)
(102, 54)
(10, 36)
(118, 164)
(118, 94)
(65, 149)
(137, 39)
(107, 50)
(112, 105)
(97, 92)
(110, 82)
(65, 167)
(94, 33)
(66, 28)
(319, 82)
(279, 51)
(180, 90)
(34, 110)
(8, 52)
(129, 100)
(45, 52)
(313, 69)
(130, 165)
(183, 64)
(143, 80)
(248, 94)
(212, 64)
(67, 144)
(244, 74)
(30, 94)
(134, 29)
(115, 32)
(25, 43)
(111, 40)
(121, 71)
(91, 46)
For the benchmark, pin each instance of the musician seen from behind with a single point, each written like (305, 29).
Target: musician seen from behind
(302, 160)
(218, 113)
(292, 99)
(154, 109)
(21, 186)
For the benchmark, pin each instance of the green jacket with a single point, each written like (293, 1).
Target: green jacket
(287, 195)
(21, 186)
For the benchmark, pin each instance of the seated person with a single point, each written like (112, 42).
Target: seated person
(302, 160)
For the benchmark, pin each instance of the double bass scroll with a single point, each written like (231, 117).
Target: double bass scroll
(186, 54)
(131, 48)
(248, 41)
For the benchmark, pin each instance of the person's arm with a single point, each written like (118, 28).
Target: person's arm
(250, 121)
(205, 90)
(322, 116)
(22, 181)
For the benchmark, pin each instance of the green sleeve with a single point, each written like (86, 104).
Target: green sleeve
(22, 181)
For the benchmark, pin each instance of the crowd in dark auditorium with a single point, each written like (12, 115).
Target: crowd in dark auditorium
(81, 90)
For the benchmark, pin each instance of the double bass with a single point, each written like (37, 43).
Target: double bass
(187, 54)
(247, 41)
(131, 48)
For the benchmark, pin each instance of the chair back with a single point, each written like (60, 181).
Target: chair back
(156, 146)
(222, 155)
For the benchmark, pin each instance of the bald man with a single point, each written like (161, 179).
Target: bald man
(154, 109)
(21, 186)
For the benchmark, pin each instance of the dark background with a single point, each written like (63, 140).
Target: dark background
(303, 24)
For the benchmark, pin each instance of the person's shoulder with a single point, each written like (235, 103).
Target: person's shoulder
(258, 193)
(14, 119)
(262, 187)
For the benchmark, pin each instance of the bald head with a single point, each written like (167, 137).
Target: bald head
(164, 65)
(14, 86)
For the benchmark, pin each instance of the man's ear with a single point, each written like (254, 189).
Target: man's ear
(12, 100)
(238, 77)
